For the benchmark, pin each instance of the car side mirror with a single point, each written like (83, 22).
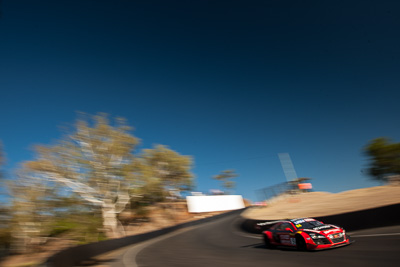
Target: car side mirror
(288, 229)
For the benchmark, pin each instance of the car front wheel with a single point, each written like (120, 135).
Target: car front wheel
(300, 243)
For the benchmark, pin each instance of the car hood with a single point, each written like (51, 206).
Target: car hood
(325, 229)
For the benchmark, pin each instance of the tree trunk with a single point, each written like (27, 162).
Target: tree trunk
(110, 221)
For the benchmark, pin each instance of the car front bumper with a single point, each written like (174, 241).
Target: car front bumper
(348, 241)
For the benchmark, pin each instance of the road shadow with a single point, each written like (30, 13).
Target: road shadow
(95, 262)
(291, 249)
(281, 248)
(258, 245)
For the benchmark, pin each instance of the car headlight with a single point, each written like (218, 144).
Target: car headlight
(316, 236)
(336, 235)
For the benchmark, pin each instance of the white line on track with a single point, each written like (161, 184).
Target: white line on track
(374, 235)
(129, 257)
(135, 249)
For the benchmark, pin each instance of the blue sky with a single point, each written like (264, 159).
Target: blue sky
(231, 83)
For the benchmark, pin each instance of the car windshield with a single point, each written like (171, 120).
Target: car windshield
(308, 224)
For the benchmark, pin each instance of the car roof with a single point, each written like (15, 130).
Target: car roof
(306, 218)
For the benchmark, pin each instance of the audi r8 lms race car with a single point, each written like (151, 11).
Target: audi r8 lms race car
(305, 234)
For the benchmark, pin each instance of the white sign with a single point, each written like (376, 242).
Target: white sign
(214, 203)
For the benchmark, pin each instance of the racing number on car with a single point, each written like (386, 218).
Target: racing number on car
(286, 239)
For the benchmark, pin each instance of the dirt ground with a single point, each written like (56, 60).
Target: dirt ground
(315, 204)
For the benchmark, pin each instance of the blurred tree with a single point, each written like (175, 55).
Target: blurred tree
(164, 172)
(30, 211)
(5, 231)
(2, 159)
(5, 215)
(40, 208)
(95, 162)
(384, 159)
(225, 177)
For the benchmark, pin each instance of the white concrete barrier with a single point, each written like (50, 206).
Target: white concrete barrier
(198, 204)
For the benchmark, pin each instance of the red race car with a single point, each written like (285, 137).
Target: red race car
(305, 234)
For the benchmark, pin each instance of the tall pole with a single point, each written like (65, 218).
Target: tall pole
(287, 166)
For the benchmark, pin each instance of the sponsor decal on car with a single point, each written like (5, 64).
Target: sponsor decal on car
(285, 239)
(312, 231)
(331, 231)
(322, 227)
(303, 220)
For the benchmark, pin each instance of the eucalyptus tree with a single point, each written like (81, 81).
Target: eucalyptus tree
(4, 210)
(2, 159)
(164, 171)
(30, 210)
(384, 157)
(225, 177)
(95, 162)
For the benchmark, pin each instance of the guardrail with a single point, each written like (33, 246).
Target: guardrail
(74, 255)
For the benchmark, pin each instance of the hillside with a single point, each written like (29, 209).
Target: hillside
(315, 204)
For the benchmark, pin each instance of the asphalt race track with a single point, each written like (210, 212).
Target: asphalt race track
(221, 243)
